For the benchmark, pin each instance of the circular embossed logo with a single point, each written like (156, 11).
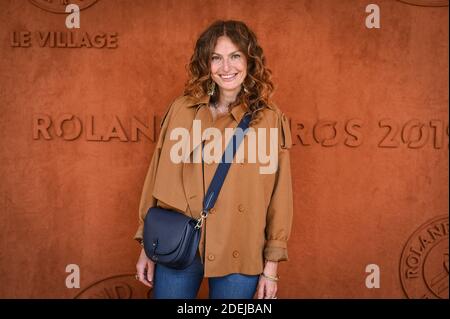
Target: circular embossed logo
(424, 262)
(59, 6)
(116, 287)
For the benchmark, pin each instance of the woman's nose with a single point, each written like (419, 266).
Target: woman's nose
(226, 65)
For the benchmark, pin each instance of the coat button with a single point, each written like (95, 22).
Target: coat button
(211, 257)
(235, 254)
(241, 208)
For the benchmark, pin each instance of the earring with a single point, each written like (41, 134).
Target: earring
(211, 88)
(245, 89)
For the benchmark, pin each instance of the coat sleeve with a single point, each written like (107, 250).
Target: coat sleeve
(147, 200)
(280, 210)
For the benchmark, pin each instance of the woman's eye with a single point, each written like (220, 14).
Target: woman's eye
(215, 58)
(236, 56)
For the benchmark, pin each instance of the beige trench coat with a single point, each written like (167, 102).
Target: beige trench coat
(251, 220)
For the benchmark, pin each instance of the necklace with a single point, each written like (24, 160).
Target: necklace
(218, 111)
(221, 110)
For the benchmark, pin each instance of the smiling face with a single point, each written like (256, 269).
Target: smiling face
(228, 65)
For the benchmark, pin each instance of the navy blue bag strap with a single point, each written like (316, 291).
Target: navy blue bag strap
(222, 169)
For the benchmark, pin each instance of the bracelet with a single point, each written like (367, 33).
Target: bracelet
(276, 278)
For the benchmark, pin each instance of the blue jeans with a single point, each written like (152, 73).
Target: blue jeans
(184, 284)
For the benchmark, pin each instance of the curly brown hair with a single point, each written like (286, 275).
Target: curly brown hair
(258, 82)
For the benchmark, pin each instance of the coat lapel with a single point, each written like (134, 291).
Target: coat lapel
(191, 171)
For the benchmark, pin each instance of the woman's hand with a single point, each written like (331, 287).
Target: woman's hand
(267, 288)
(145, 269)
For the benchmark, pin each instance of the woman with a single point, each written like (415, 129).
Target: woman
(245, 235)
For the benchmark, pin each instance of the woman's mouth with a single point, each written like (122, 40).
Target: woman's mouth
(228, 77)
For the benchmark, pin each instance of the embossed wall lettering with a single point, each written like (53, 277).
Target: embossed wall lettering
(413, 134)
(70, 127)
(68, 39)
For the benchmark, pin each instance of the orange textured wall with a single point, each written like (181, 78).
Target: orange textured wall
(369, 116)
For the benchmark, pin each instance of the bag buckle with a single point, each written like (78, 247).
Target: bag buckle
(203, 215)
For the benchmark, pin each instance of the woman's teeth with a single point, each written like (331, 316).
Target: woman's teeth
(229, 77)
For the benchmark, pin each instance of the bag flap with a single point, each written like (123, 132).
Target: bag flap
(166, 228)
